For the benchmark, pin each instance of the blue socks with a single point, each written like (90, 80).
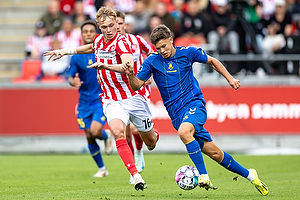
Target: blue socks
(229, 163)
(194, 151)
(104, 135)
(95, 152)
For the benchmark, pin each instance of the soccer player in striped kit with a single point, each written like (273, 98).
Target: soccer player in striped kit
(120, 103)
(139, 47)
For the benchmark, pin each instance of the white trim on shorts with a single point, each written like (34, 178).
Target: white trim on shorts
(135, 109)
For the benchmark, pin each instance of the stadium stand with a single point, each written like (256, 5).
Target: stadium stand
(17, 22)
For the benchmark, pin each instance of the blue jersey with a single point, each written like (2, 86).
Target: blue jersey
(174, 77)
(90, 89)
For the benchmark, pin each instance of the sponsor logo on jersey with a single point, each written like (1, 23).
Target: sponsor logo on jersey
(105, 55)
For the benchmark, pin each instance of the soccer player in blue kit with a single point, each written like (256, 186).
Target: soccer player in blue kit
(90, 115)
(172, 72)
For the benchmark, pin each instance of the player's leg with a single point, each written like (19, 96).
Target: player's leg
(96, 154)
(141, 118)
(97, 130)
(186, 133)
(129, 138)
(118, 119)
(189, 125)
(138, 154)
(129, 142)
(84, 121)
(227, 161)
(118, 128)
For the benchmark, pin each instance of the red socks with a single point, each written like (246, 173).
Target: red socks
(138, 141)
(126, 155)
(131, 147)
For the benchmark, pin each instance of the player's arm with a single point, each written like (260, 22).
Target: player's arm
(219, 67)
(134, 82)
(117, 67)
(75, 81)
(56, 54)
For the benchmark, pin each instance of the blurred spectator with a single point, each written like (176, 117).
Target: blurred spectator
(141, 17)
(226, 40)
(109, 3)
(166, 18)
(194, 26)
(203, 5)
(268, 8)
(98, 4)
(69, 36)
(153, 22)
(38, 42)
(254, 16)
(279, 26)
(126, 6)
(296, 7)
(89, 8)
(67, 6)
(129, 21)
(177, 13)
(79, 16)
(53, 17)
(57, 68)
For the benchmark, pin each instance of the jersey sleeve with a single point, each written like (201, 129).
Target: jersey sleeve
(145, 71)
(73, 66)
(144, 45)
(123, 46)
(198, 55)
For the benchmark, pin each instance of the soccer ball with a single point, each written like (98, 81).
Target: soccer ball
(187, 177)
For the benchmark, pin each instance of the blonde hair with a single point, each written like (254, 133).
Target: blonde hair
(104, 12)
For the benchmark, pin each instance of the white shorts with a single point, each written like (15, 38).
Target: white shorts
(134, 109)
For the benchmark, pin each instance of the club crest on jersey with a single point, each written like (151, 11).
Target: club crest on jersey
(133, 47)
(112, 48)
(171, 68)
(90, 62)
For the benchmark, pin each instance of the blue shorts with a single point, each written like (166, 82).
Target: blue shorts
(195, 114)
(88, 113)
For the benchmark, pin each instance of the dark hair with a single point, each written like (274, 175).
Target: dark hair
(91, 22)
(160, 32)
(120, 14)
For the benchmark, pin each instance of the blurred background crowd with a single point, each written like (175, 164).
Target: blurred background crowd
(235, 27)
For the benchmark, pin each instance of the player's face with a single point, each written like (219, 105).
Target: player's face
(108, 27)
(121, 26)
(88, 33)
(165, 48)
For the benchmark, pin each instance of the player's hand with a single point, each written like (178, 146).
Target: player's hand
(234, 83)
(57, 53)
(149, 81)
(98, 65)
(77, 82)
(128, 69)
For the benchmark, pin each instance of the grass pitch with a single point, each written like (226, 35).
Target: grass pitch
(70, 177)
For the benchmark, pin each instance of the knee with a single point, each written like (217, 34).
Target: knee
(96, 133)
(90, 138)
(118, 134)
(185, 136)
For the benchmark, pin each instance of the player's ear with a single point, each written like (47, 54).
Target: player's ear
(171, 39)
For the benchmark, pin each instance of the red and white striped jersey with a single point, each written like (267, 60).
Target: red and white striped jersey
(114, 85)
(139, 46)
